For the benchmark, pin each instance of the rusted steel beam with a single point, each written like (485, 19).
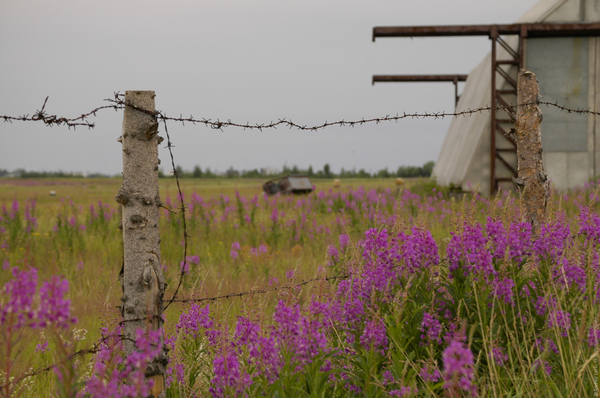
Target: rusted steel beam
(419, 78)
(532, 30)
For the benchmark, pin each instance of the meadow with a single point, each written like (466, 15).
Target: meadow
(420, 292)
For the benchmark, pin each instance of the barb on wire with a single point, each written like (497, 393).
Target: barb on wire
(51, 120)
(262, 291)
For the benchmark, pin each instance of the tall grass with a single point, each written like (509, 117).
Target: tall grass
(438, 296)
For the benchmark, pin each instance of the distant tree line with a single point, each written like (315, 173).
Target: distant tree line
(197, 172)
(326, 172)
(22, 173)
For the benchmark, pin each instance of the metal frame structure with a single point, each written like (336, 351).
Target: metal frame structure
(423, 78)
(501, 119)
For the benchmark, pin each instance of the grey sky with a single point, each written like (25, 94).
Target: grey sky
(244, 60)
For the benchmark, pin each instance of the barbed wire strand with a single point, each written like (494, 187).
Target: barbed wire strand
(266, 290)
(117, 103)
(185, 234)
(90, 350)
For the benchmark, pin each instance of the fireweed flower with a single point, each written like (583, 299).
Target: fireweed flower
(593, 337)
(519, 240)
(429, 375)
(567, 274)
(543, 304)
(552, 238)
(458, 368)
(403, 391)
(499, 356)
(302, 337)
(431, 328)
(263, 351)
(419, 250)
(498, 237)
(196, 318)
(560, 320)
(546, 345)
(333, 254)
(542, 362)
(344, 240)
(374, 336)
(589, 225)
(128, 379)
(469, 250)
(228, 376)
(53, 307)
(503, 290)
(275, 216)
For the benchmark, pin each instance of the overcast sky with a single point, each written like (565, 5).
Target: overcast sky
(244, 60)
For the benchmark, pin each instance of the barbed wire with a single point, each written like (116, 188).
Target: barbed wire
(117, 103)
(182, 210)
(94, 348)
(265, 290)
(51, 120)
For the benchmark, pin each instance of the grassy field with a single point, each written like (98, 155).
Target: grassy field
(242, 240)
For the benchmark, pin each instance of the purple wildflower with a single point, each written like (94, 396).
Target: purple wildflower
(469, 250)
(593, 337)
(431, 328)
(374, 335)
(344, 240)
(503, 289)
(403, 391)
(498, 236)
(458, 367)
(430, 376)
(561, 320)
(196, 318)
(519, 240)
(499, 356)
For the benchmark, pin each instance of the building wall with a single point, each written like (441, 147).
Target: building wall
(566, 69)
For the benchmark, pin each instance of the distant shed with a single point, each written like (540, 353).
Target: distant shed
(290, 184)
(558, 40)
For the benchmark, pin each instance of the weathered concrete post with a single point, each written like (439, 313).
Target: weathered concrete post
(142, 280)
(532, 180)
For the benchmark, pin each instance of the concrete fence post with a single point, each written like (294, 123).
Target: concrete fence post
(532, 181)
(142, 278)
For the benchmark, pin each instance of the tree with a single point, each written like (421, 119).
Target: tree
(197, 172)
(428, 169)
(326, 171)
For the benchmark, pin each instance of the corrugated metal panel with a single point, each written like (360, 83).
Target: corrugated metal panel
(561, 65)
